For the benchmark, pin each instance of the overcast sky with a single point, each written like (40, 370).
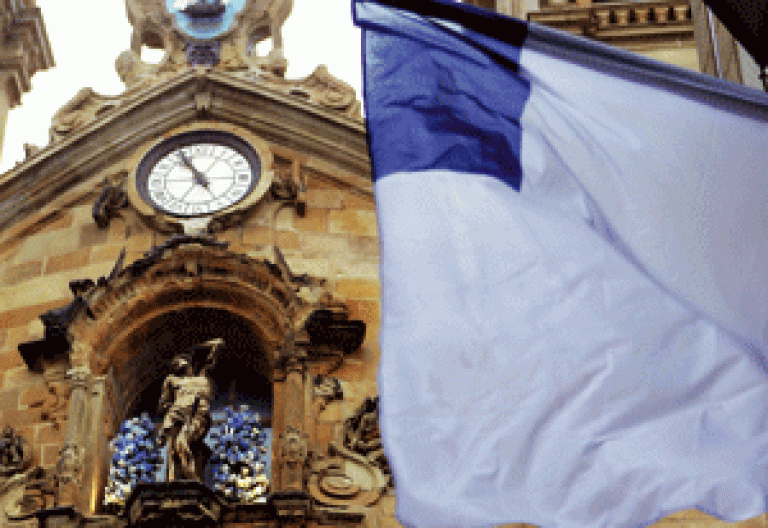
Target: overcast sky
(87, 35)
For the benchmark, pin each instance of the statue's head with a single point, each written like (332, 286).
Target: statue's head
(181, 363)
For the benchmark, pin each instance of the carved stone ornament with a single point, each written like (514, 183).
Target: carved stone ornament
(167, 504)
(83, 108)
(108, 204)
(231, 29)
(52, 402)
(15, 454)
(320, 88)
(355, 472)
(69, 468)
(293, 452)
(25, 493)
(326, 390)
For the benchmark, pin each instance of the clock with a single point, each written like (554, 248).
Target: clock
(198, 173)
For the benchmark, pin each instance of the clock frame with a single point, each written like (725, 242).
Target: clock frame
(198, 173)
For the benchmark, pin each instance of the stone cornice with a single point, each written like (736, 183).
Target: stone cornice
(112, 138)
(621, 23)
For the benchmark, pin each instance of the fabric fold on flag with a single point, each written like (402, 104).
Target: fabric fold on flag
(574, 281)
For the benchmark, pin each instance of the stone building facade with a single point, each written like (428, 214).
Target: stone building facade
(107, 270)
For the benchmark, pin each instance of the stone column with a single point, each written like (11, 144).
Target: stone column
(73, 455)
(293, 438)
(97, 460)
(289, 474)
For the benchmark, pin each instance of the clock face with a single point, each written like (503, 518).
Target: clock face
(198, 173)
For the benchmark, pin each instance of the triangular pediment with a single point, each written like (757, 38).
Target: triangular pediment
(95, 136)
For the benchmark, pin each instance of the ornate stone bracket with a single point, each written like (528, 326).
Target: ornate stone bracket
(320, 88)
(15, 455)
(55, 345)
(108, 204)
(354, 473)
(326, 390)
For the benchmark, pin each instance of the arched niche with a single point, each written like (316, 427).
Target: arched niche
(241, 375)
(121, 343)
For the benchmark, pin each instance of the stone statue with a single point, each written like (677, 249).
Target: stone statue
(186, 403)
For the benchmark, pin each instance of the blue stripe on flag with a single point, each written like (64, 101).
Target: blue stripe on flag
(422, 86)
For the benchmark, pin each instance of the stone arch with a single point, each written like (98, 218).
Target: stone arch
(293, 319)
(182, 276)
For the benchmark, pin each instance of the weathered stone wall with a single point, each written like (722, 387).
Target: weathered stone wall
(336, 239)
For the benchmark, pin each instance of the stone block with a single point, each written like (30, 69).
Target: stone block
(91, 235)
(62, 220)
(48, 434)
(33, 395)
(9, 399)
(105, 253)
(284, 219)
(54, 286)
(257, 235)
(358, 288)
(344, 267)
(49, 454)
(22, 315)
(363, 245)
(10, 359)
(20, 334)
(37, 291)
(118, 230)
(314, 267)
(287, 240)
(389, 522)
(21, 272)
(18, 417)
(315, 220)
(67, 261)
(353, 371)
(324, 432)
(233, 236)
(324, 244)
(50, 243)
(755, 522)
(365, 310)
(20, 377)
(688, 515)
(324, 198)
(354, 222)
(331, 414)
(354, 200)
(141, 242)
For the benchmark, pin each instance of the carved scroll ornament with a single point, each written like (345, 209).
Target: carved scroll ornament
(355, 472)
(15, 454)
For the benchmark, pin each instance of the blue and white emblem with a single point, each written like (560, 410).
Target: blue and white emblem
(204, 19)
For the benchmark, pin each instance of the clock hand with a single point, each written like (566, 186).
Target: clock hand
(199, 176)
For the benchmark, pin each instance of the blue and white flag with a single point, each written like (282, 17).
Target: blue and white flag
(574, 268)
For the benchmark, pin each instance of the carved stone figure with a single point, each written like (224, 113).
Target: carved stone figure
(260, 20)
(293, 455)
(355, 472)
(132, 70)
(186, 403)
(15, 455)
(149, 19)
